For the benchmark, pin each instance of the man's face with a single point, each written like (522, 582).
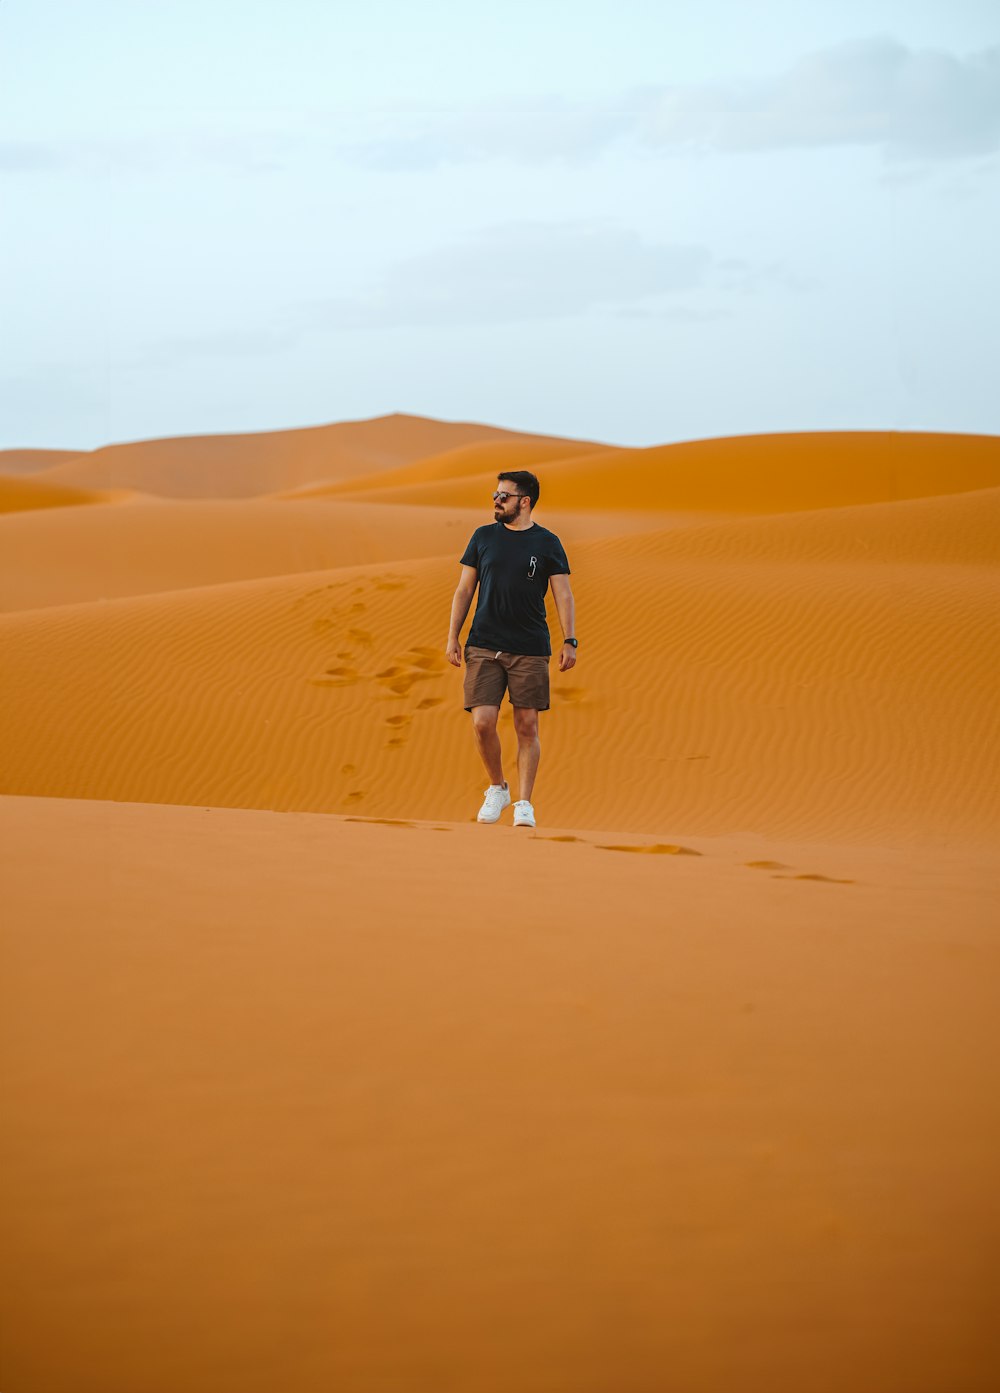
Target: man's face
(507, 509)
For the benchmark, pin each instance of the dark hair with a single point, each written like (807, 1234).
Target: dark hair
(526, 483)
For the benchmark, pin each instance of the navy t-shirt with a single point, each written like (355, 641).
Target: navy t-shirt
(514, 569)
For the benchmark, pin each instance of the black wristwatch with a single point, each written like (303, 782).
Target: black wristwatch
(572, 642)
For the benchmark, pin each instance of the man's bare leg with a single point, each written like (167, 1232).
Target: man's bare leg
(484, 725)
(528, 749)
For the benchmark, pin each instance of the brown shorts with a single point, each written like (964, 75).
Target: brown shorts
(488, 675)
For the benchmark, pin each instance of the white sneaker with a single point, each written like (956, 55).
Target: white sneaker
(497, 798)
(524, 814)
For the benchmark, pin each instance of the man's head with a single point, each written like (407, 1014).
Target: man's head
(516, 493)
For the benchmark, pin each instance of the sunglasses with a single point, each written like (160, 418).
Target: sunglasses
(502, 497)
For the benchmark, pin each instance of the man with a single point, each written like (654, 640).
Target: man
(508, 650)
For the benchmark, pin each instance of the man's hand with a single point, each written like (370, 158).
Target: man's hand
(567, 657)
(453, 652)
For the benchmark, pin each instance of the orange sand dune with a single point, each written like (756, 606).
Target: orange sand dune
(311, 1104)
(19, 495)
(821, 697)
(242, 466)
(175, 544)
(961, 529)
(31, 461)
(483, 459)
(687, 1091)
(750, 474)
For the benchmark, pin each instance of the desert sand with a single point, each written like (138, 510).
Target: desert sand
(311, 1082)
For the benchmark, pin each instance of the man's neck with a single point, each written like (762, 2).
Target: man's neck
(519, 526)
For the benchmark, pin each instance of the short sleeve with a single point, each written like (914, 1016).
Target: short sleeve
(470, 556)
(558, 564)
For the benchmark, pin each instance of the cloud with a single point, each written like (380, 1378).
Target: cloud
(530, 132)
(507, 274)
(247, 152)
(26, 156)
(520, 272)
(910, 103)
(872, 92)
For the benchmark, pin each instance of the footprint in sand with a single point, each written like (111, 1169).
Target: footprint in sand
(356, 795)
(401, 685)
(428, 660)
(417, 665)
(323, 589)
(828, 879)
(382, 821)
(337, 677)
(361, 636)
(348, 769)
(398, 720)
(766, 865)
(660, 849)
(566, 839)
(428, 702)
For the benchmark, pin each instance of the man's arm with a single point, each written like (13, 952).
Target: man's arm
(562, 594)
(464, 592)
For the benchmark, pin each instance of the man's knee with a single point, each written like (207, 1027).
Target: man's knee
(484, 719)
(526, 723)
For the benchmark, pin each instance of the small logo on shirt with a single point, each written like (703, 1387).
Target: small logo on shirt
(531, 568)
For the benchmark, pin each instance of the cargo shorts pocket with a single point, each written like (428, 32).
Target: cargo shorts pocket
(528, 681)
(485, 679)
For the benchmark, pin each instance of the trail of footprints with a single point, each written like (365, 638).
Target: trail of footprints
(338, 611)
(656, 849)
(422, 664)
(782, 872)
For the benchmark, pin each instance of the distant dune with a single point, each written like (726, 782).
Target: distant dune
(27, 494)
(32, 461)
(481, 461)
(751, 474)
(244, 466)
(318, 1084)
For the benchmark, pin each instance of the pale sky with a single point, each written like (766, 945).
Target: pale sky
(626, 220)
